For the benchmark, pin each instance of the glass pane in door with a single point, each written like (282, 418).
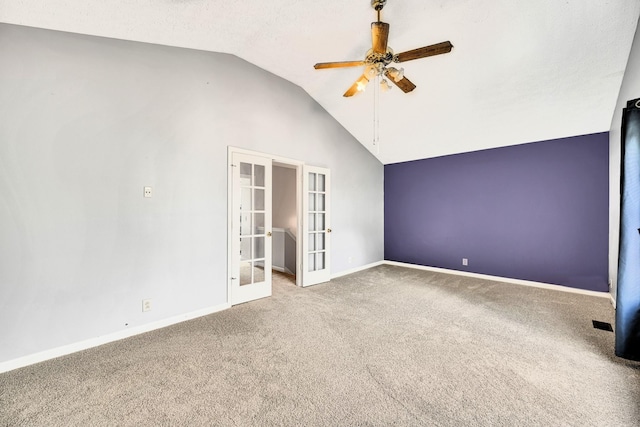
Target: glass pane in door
(245, 273)
(258, 200)
(320, 182)
(259, 176)
(245, 224)
(312, 262)
(320, 242)
(258, 223)
(245, 173)
(312, 202)
(258, 272)
(245, 248)
(246, 197)
(258, 247)
(312, 181)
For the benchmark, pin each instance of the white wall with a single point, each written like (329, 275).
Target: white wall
(629, 90)
(86, 123)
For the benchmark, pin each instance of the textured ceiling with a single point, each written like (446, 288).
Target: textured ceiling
(520, 71)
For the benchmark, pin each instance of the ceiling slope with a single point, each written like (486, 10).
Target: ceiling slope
(520, 70)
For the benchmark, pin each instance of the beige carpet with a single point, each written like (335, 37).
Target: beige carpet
(387, 346)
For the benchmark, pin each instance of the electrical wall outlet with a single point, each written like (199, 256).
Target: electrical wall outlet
(465, 261)
(146, 305)
(147, 192)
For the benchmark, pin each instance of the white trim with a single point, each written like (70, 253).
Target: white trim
(503, 279)
(357, 269)
(230, 151)
(281, 161)
(105, 339)
(299, 230)
(613, 301)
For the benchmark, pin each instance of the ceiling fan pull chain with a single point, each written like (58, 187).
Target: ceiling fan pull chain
(376, 115)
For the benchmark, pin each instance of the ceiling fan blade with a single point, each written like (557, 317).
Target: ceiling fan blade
(323, 65)
(379, 36)
(404, 83)
(423, 52)
(358, 86)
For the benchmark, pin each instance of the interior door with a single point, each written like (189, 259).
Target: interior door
(316, 224)
(250, 228)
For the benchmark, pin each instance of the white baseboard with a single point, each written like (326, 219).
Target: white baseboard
(357, 269)
(105, 339)
(503, 279)
(613, 301)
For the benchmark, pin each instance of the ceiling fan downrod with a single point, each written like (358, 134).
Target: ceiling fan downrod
(378, 5)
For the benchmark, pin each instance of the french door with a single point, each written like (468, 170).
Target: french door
(250, 227)
(316, 224)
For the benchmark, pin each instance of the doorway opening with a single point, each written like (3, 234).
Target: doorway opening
(278, 222)
(284, 224)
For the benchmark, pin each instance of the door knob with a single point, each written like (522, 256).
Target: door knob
(328, 230)
(268, 234)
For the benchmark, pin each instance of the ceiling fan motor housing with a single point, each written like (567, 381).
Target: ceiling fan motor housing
(378, 4)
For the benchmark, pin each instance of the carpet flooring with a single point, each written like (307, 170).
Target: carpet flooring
(389, 346)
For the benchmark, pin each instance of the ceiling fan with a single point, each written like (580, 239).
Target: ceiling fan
(378, 58)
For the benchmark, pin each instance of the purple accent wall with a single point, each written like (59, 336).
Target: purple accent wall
(535, 211)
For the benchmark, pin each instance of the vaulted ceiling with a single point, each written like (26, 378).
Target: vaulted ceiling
(520, 71)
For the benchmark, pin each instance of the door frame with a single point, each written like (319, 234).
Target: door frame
(277, 161)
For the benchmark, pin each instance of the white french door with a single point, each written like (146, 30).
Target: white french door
(250, 227)
(316, 226)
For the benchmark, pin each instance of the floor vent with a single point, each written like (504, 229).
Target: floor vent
(602, 325)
